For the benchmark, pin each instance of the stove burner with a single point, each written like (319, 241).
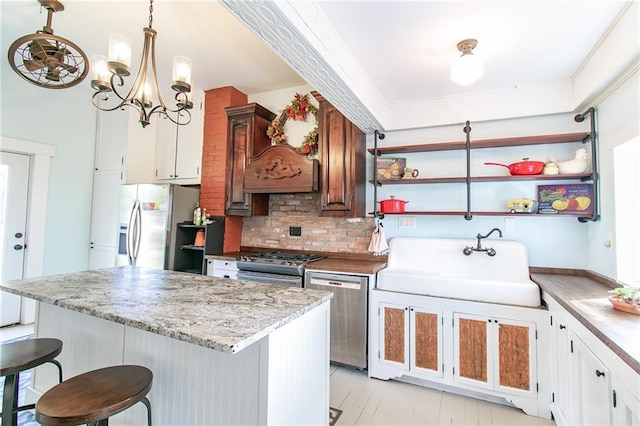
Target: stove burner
(275, 262)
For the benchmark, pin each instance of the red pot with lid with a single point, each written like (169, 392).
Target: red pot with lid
(391, 205)
(524, 167)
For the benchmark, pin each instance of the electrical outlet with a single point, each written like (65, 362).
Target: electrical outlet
(406, 222)
(295, 231)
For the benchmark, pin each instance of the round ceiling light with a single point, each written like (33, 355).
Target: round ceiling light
(468, 68)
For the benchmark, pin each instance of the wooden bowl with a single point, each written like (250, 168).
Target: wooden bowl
(621, 305)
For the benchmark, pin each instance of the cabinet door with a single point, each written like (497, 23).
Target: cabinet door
(141, 149)
(247, 136)
(166, 149)
(591, 387)
(560, 369)
(472, 343)
(626, 407)
(426, 342)
(188, 161)
(341, 147)
(394, 335)
(111, 138)
(514, 352)
(105, 208)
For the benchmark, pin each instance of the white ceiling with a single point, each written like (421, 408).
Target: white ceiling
(384, 53)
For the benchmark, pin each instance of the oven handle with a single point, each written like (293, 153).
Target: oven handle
(289, 280)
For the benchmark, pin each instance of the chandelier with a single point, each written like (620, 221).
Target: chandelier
(108, 76)
(468, 67)
(48, 60)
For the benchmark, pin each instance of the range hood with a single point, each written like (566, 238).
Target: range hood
(280, 169)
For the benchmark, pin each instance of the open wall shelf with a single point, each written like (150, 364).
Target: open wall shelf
(468, 145)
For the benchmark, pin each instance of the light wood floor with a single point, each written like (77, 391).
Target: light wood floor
(367, 401)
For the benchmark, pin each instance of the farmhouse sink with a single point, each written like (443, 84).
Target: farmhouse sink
(438, 267)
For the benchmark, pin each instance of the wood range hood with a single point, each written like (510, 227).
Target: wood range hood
(280, 169)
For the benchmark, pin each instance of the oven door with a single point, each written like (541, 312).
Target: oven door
(267, 278)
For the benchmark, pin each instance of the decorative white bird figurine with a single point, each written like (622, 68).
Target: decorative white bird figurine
(577, 165)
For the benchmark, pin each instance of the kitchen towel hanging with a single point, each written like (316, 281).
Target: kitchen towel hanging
(378, 245)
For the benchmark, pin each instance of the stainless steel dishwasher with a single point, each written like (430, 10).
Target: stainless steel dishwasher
(349, 306)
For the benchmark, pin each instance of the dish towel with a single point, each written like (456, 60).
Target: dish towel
(378, 245)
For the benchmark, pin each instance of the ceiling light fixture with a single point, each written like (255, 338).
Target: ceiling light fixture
(141, 94)
(467, 69)
(48, 60)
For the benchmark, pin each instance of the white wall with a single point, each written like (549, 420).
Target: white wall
(552, 241)
(617, 114)
(63, 118)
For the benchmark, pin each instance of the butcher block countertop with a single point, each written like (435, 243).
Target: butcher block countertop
(584, 295)
(217, 313)
(364, 264)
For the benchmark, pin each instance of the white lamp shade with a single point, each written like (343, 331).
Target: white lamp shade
(100, 71)
(120, 49)
(467, 69)
(181, 73)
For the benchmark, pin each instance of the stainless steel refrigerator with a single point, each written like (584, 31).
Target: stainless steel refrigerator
(149, 214)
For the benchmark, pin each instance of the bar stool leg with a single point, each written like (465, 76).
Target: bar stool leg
(146, 402)
(57, 364)
(10, 399)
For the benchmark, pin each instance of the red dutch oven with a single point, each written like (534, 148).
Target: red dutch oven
(392, 205)
(524, 167)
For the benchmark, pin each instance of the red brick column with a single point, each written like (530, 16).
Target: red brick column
(214, 160)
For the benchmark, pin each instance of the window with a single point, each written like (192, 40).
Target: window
(627, 202)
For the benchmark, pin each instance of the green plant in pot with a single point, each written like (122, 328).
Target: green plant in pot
(629, 295)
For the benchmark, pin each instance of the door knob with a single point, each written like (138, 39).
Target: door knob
(18, 235)
(17, 247)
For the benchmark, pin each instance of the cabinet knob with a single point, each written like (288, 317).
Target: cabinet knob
(562, 327)
(599, 373)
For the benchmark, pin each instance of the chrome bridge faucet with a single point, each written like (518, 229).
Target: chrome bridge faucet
(490, 251)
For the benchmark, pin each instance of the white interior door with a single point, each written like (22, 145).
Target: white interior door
(14, 187)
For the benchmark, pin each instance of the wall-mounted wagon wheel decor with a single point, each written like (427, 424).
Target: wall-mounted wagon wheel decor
(48, 60)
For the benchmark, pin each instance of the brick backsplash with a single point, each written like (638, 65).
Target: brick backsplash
(327, 234)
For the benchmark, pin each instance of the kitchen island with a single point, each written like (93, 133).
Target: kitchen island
(221, 351)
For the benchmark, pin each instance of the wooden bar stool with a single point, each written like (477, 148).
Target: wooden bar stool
(21, 356)
(95, 396)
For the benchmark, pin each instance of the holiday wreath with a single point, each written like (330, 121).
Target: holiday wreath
(297, 110)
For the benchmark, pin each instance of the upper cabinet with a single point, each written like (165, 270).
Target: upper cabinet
(179, 147)
(122, 143)
(247, 136)
(341, 150)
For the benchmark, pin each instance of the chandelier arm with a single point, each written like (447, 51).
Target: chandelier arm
(167, 115)
(155, 73)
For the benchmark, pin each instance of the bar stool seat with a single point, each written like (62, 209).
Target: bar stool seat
(95, 396)
(16, 357)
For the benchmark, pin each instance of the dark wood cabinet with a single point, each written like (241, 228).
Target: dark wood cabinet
(247, 136)
(341, 150)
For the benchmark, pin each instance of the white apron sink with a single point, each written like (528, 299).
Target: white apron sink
(438, 267)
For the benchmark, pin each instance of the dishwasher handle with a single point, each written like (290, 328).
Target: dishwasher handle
(337, 281)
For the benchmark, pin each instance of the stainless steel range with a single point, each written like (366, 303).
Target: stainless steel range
(275, 267)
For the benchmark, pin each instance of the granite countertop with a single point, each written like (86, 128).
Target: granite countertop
(217, 313)
(587, 300)
(335, 262)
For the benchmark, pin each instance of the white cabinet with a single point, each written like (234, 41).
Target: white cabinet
(222, 268)
(495, 353)
(179, 148)
(626, 406)
(473, 348)
(411, 339)
(104, 219)
(591, 386)
(122, 143)
(560, 352)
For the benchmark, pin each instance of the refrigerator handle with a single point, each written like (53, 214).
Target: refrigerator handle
(131, 233)
(138, 231)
